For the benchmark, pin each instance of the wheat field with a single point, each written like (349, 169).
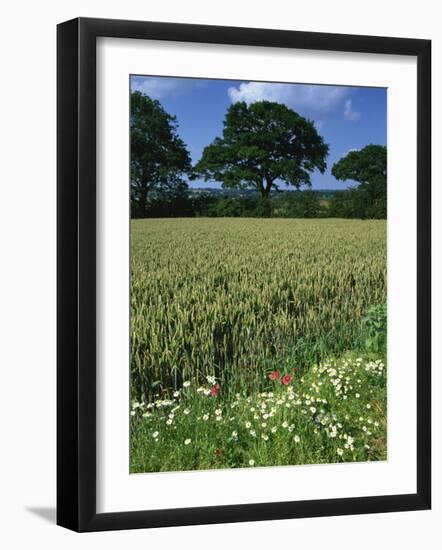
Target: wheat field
(235, 298)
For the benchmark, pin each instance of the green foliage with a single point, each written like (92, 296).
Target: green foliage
(263, 143)
(303, 204)
(364, 166)
(368, 167)
(374, 329)
(159, 158)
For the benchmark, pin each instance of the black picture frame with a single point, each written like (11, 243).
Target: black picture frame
(77, 288)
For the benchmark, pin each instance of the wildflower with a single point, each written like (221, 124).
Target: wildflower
(296, 439)
(285, 424)
(274, 375)
(186, 384)
(264, 424)
(176, 393)
(187, 441)
(155, 434)
(218, 412)
(286, 379)
(132, 413)
(169, 421)
(274, 429)
(252, 433)
(248, 424)
(186, 411)
(214, 390)
(312, 410)
(265, 437)
(210, 379)
(368, 406)
(251, 462)
(205, 417)
(234, 435)
(357, 396)
(340, 452)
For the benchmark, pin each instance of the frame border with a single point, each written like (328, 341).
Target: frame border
(76, 274)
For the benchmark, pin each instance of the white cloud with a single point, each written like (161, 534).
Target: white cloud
(154, 87)
(349, 113)
(311, 99)
(159, 87)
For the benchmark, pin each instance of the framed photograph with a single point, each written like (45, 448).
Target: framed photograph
(243, 274)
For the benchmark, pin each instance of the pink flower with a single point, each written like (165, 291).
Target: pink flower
(214, 390)
(286, 379)
(274, 375)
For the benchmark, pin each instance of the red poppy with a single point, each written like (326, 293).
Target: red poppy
(218, 451)
(286, 379)
(274, 375)
(214, 390)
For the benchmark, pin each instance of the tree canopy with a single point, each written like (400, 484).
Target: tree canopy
(263, 143)
(365, 166)
(159, 158)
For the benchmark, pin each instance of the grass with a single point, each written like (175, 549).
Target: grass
(218, 305)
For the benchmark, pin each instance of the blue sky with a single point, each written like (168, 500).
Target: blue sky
(347, 117)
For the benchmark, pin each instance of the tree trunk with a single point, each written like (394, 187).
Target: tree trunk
(265, 193)
(142, 199)
(266, 188)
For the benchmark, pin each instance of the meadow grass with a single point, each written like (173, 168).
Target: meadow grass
(335, 412)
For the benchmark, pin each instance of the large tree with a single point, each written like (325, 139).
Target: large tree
(159, 158)
(263, 143)
(368, 167)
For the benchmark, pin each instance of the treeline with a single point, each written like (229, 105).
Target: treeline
(352, 203)
(263, 146)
